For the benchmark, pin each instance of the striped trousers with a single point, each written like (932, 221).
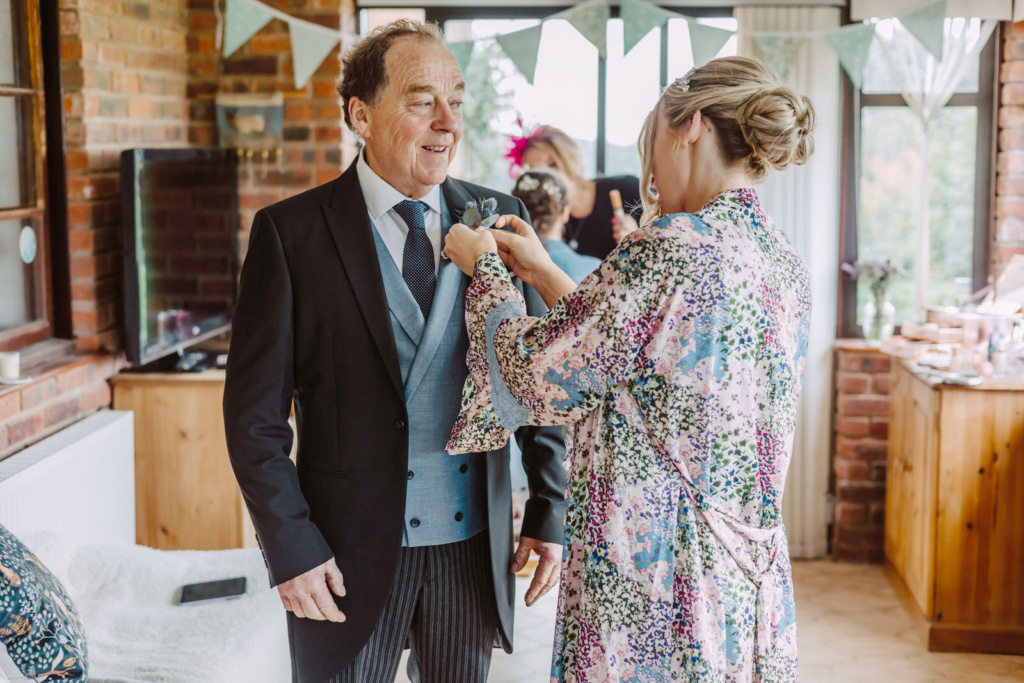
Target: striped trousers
(442, 607)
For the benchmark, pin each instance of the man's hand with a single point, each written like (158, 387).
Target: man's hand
(307, 596)
(546, 576)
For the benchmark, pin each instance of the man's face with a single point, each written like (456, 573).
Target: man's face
(412, 130)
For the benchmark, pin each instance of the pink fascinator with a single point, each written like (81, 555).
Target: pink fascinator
(518, 148)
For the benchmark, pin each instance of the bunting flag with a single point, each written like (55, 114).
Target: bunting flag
(591, 20)
(311, 43)
(522, 47)
(779, 53)
(638, 18)
(462, 50)
(706, 41)
(928, 25)
(851, 45)
(242, 20)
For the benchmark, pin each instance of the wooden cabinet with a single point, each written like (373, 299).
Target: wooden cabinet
(185, 490)
(954, 527)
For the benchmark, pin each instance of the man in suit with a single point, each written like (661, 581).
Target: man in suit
(376, 538)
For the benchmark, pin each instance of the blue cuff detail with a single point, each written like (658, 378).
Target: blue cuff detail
(511, 415)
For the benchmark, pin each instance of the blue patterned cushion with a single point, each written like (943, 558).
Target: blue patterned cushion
(39, 626)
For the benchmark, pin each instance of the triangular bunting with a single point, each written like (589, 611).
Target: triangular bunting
(706, 41)
(521, 47)
(779, 53)
(243, 18)
(927, 24)
(591, 20)
(638, 18)
(310, 44)
(851, 45)
(463, 51)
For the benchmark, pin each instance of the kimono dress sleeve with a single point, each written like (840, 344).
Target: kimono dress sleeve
(556, 369)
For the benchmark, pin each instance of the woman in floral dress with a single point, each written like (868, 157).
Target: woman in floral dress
(676, 367)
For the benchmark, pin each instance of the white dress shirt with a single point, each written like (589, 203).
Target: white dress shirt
(381, 198)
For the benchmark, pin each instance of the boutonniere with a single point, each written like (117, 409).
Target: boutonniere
(480, 213)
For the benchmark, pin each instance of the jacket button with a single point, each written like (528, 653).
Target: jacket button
(400, 424)
(414, 522)
(464, 468)
(458, 516)
(409, 475)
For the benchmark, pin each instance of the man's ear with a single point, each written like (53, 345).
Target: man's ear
(360, 115)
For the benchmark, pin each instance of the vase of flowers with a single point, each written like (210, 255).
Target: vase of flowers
(879, 315)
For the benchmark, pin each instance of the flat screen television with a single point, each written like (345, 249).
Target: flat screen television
(180, 217)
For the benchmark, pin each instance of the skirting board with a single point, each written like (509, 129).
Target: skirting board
(79, 481)
(1004, 640)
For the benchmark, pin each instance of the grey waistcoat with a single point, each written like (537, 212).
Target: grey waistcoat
(446, 499)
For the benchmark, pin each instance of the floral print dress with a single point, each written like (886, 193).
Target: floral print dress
(676, 367)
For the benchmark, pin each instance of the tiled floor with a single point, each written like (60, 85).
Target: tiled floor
(852, 630)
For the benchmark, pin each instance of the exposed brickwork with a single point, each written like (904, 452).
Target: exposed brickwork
(125, 71)
(57, 396)
(313, 151)
(1009, 217)
(861, 432)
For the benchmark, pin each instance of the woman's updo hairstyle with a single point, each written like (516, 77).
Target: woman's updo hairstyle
(759, 122)
(545, 195)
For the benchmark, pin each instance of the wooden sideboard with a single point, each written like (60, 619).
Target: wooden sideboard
(185, 491)
(954, 522)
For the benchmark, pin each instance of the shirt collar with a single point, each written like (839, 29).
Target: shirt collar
(380, 196)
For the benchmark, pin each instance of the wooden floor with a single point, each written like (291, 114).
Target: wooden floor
(852, 629)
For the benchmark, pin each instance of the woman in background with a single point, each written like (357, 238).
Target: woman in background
(676, 367)
(592, 229)
(547, 200)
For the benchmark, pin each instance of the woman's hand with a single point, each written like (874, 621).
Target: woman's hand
(464, 245)
(529, 260)
(521, 251)
(623, 225)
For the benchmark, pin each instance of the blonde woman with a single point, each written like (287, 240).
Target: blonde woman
(676, 367)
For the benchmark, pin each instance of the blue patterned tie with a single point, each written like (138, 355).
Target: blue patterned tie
(418, 255)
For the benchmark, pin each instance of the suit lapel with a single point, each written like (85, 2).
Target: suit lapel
(451, 286)
(350, 228)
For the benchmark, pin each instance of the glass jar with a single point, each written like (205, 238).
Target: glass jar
(879, 319)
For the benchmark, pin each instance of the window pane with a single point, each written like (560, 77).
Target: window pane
(891, 139)
(564, 94)
(633, 88)
(680, 58)
(905, 49)
(16, 162)
(370, 19)
(17, 278)
(14, 60)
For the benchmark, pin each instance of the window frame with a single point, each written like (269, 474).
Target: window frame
(442, 14)
(854, 100)
(48, 205)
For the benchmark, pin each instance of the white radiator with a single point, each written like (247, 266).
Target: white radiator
(79, 482)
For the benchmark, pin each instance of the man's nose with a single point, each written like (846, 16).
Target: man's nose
(447, 120)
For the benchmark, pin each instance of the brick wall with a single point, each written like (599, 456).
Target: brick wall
(56, 398)
(861, 433)
(124, 69)
(1009, 218)
(313, 152)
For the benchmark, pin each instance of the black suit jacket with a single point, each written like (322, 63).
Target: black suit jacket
(312, 326)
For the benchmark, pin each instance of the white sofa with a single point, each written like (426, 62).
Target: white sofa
(70, 499)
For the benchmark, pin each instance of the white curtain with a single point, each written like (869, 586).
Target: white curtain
(927, 84)
(804, 202)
